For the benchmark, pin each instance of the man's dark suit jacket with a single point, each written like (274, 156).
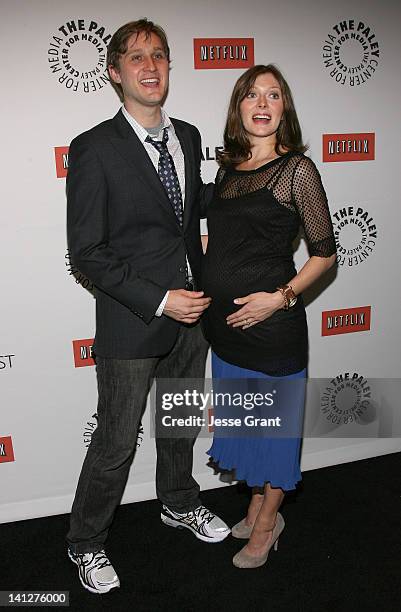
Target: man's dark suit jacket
(124, 236)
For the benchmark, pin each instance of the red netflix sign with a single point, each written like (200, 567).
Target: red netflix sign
(223, 53)
(83, 355)
(6, 450)
(348, 147)
(61, 156)
(346, 320)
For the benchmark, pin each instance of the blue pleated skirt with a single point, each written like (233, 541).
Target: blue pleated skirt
(260, 459)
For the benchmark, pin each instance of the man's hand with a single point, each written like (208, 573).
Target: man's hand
(186, 306)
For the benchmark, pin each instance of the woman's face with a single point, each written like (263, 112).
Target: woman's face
(262, 108)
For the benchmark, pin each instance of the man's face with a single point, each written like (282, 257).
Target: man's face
(143, 72)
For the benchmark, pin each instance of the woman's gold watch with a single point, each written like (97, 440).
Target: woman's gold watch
(290, 299)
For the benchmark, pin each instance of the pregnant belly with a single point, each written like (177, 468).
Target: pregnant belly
(226, 281)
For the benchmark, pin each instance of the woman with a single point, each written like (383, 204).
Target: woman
(265, 190)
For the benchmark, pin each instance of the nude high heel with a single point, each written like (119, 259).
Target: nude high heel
(242, 531)
(243, 560)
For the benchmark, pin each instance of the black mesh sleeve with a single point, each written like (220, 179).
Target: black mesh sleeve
(220, 175)
(311, 201)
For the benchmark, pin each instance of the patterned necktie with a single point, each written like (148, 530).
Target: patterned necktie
(168, 175)
(169, 179)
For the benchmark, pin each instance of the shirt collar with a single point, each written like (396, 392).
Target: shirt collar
(140, 130)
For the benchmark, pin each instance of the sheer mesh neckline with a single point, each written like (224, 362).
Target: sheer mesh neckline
(294, 183)
(268, 163)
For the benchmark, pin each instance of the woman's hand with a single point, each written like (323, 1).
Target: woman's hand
(257, 307)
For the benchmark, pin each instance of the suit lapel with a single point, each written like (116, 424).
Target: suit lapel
(132, 150)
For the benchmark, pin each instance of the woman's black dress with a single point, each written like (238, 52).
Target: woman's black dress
(253, 220)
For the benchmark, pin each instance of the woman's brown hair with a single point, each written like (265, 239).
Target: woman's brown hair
(237, 147)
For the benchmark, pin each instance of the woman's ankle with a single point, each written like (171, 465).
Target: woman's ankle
(253, 509)
(265, 522)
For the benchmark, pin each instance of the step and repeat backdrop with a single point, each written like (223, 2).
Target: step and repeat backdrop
(341, 60)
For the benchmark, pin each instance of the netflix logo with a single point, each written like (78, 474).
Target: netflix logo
(61, 156)
(348, 147)
(346, 320)
(6, 450)
(223, 53)
(83, 355)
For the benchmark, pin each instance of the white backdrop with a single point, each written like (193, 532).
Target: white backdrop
(47, 404)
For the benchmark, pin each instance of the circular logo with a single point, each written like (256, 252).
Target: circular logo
(91, 425)
(351, 52)
(89, 428)
(346, 399)
(80, 279)
(355, 233)
(77, 55)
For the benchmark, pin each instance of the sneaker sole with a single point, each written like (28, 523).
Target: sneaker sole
(88, 588)
(178, 525)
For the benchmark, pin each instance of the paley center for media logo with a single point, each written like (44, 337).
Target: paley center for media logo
(348, 147)
(77, 55)
(91, 426)
(346, 399)
(351, 52)
(6, 449)
(355, 233)
(83, 355)
(223, 53)
(346, 320)
(61, 159)
(80, 278)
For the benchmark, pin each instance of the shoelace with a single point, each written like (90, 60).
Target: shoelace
(204, 514)
(101, 561)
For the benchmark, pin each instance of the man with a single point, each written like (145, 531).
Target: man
(134, 201)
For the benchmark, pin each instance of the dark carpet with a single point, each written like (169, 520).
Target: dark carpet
(340, 551)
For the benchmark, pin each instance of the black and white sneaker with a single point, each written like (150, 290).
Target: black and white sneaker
(204, 524)
(96, 573)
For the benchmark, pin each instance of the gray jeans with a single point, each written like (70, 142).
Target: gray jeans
(123, 386)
